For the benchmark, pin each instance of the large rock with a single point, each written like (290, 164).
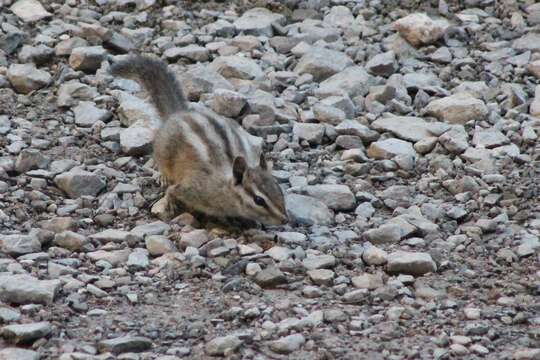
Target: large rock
(11, 353)
(258, 22)
(313, 133)
(238, 67)
(458, 108)
(228, 103)
(26, 333)
(200, 80)
(322, 63)
(87, 114)
(336, 197)
(419, 29)
(77, 183)
(409, 127)
(383, 64)
(389, 148)
(26, 77)
(137, 140)
(530, 41)
(306, 210)
(412, 263)
(87, 58)
(29, 10)
(125, 344)
(72, 91)
(26, 289)
(222, 345)
(353, 81)
(19, 244)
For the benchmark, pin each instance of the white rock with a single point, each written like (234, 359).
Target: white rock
(419, 29)
(258, 22)
(29, 10)
(26, 77)
(457, 109)
(412, 263)
(322, 63)
(387, 149)
(87, 114)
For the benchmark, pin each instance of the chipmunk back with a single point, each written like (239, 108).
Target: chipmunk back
(209, 163)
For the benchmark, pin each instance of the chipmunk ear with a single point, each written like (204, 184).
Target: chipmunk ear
(262, 162)
(239, 168)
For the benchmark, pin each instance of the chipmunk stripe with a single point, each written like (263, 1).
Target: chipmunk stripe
(224, 136)
(194, 139)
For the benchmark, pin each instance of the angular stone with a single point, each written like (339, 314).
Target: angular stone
(312, 133)
(77, 183)
(355, 128)
(125, 344)
(26, 289)
(457, 109)
(529, 41)
(87, 58)
(258, 22)
(235, 66)
(368, 281)
(336, 197)
(270, 277)
(223, 345)
(195, 238)
(353, 81)
(385, 234)
(192, 52)
(158, 245)
(382, 64)
(113, 235)
(228, 103)
(419, 29)
(72, 91)
(306, 210)
(202, 79)
(410, 128)
(70, 240)
(19, 244)
(321, 276)
(26, 78)
(18, 354)
(153, 228)
(412, 263)
(30, 159)
(288, 344)
(137, 140)
(114, 257)
(26, 333)
(489, 138)
(387, 149)
(87, 114)
(374, 256)
(322, 63)
(313, 262)
(29, 10)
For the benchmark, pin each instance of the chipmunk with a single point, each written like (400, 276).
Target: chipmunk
(208, 163)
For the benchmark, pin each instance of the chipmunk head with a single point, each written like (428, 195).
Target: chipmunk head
(262, 198)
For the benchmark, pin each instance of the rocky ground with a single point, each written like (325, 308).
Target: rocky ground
(404, 133)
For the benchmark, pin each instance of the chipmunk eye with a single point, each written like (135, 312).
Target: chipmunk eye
(259, 201)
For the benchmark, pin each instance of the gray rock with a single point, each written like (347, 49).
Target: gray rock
(235, 66)
(339, 16)
(389, 233)
(489, 138)
(26, 289)
(321, 276)
(313, 262)
(328, 114)
(18, 354)
(382, 64)
(195, 238)
(368, 281)
(529, 41)
(387, 149)
(322, 63)
(114, 235)
(87, 58)
(153, 228)
(137, 140)
(158, 245)
(202, 79)
(336, 197)
(8, 315)
(228, 103)
(26, 333)
(114, 257)
(258, 22)
(457, 109)
(30, 159)
(288, 344)
(456, 140)
(26, 78)
(419, 29)
(355, 128)
(223, 345)
(270, 277)
(77, 183)
(29, 10)
(65, 47)
(39, 54)
(352, 81)
(410, 128)
(87, 114)
(72, 91)
(412, 263)
(313, 133)
(306, 210)
(374, 256)
(138, 259)
(125, 344)
(192, 52)
(70, 240)
(18, 244)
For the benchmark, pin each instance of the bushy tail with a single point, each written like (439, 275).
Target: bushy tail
(156, 79)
